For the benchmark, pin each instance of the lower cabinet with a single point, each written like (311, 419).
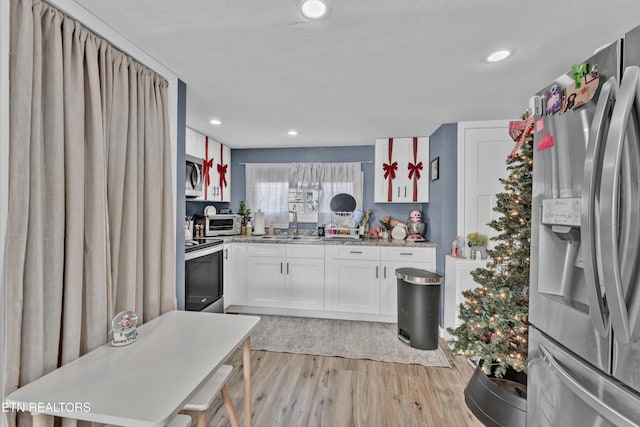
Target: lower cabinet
(361, 279)
(235, 274)
(394, 258)
(458, 279)
(285, 276)
(304, 279)
(353, 280)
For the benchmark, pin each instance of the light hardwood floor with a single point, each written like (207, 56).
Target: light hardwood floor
(301, 390)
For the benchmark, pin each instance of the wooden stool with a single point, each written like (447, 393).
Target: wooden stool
(177, 421)
(203, 398)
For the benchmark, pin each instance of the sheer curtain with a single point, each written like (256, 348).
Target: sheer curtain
(91, 228)
(267, 188)
(331, 179)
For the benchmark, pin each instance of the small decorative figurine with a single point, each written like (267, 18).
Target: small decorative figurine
(456, 247)
(123, 325)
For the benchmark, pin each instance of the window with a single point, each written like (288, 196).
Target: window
(309, 187)
(267, 187)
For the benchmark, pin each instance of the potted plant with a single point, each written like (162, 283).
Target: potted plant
(245, 215)
(494, 329)
(385, 228)
(478, 244)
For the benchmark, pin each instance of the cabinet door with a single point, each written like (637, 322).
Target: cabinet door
(305, 283)
(405, 177)
(389, 284)
(190, 144)
(235, 276)
(353, 285)
(200, 145)
(418, 170)
(223, 168)
(212, 158)
(265, 281)
(388, 170)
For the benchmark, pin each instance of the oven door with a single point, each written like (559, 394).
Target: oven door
(203, 280)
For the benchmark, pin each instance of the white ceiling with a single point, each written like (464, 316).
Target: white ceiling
(370, 68)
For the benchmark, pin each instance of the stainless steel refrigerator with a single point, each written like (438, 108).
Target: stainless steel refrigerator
(584, 340)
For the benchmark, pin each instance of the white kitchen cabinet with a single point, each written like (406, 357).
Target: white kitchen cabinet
(219, 188)
(190, 144)
(402, 170)
(352, 279)
(304, 279)
(265, 275)
(235, 274)
(457, 280)
(285, 276)
(394, 258)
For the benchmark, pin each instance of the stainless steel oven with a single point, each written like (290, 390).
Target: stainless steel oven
(204, 276)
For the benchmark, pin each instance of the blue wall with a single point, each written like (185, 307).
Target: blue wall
(361, 153)
(180, 199)
(442, 209)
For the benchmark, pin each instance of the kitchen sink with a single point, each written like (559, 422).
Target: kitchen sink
(275, 237)
(306, 238)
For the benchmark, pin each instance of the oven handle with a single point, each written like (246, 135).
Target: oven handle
(203, 252)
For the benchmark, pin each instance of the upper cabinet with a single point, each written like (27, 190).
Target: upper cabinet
(402, 170)
(216, 165)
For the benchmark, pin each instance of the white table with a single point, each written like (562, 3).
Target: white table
(145, 383)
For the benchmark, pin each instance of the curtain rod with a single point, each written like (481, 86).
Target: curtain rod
(362, 162)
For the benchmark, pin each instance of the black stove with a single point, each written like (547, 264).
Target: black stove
(198, 244)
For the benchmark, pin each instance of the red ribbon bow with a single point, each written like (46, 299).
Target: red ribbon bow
(414, 168)
(390, 169)
(519, 131)
(222, 171)
(206, 167)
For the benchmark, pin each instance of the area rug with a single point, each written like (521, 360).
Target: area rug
(342, 338)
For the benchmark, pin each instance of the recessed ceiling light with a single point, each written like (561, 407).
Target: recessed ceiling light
(313, 9)
(499, 56)
(292, 132)
(215, 122)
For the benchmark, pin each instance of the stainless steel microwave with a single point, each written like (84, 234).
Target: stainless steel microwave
(222, 225)
(193, 177)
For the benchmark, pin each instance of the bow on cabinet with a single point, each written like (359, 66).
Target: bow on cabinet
(399, 170)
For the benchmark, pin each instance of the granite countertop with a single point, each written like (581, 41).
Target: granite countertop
(314, 240)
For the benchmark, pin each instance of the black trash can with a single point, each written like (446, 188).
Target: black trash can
(418, 307)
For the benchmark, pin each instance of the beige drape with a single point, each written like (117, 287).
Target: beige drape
(91, 228)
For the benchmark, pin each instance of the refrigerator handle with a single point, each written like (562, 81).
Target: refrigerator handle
(588, 216)
(583, 393)
(609, 199)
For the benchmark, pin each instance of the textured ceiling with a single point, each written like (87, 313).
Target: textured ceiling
(370, 68)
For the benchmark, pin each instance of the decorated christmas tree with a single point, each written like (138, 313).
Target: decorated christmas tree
(494, 315)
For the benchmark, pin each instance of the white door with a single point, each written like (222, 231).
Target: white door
(389, 284)
(483, 148)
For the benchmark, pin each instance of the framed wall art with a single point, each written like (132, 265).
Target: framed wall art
(435, 169)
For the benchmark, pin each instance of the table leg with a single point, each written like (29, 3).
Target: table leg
(41, 420)
(246, 361)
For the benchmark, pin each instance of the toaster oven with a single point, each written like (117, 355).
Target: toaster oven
(222, 225)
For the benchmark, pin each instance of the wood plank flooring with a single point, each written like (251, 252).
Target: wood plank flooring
(302, 390)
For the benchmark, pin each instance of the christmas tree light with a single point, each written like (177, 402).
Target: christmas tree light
(495, 315)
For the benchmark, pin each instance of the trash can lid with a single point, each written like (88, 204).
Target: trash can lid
(418, 277)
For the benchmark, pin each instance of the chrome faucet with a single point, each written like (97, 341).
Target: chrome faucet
(295, 220)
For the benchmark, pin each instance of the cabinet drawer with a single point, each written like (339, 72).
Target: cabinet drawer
(407, 254)
(354, 252)
(305, 251)
(266, 249)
